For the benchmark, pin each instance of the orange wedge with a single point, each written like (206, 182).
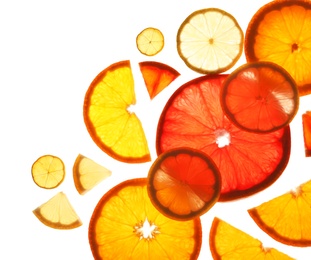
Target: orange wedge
(111, 124)
(229, 243)
(183, 183)
(286, 218)
(280, 32)
(150, 41)
(306, 124)
(125, 225)
(210, 41)
(87, 174)
(58, 213)
(48, 171)
(260, 97)
(157, 76)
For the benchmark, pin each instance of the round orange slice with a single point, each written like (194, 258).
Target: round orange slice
(260, 97)
(125, 225)
(48, 171)
(229, 243)
(248, 162)
(280, 32)
(183, 183)
(150, 41)
(210, 41)
(110, 122)
(286, 218)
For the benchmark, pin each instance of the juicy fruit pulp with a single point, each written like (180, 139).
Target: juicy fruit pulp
(306, 124)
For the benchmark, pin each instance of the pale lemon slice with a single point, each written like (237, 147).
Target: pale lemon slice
(48, 171)
(150, 41)
(58, 213)
(87, 174)
(210, 41)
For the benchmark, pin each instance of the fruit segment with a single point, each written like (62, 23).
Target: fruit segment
(306, 123)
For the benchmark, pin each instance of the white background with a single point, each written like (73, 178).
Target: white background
(49, 54)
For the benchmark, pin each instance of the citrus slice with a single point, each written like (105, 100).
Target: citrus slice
(306, 124)
(87, 174)
(286, 218)
(58, 213)
(48, 171)
(113, 127)
(150, 41)
(157, 76)
(183, 183)
(260, 97)
(280, 32)
(229, 243)
(210, 41)
(248, 162)
(125, 225)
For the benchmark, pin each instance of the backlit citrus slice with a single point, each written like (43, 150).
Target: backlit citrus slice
(183, 183)
(87, 174)
(150, 41)
(125, 225)
(115, 129)
(157, 76)
(58, 213)
(286, 218)
(248, 162)
(48, 171)
(229, 243)
(260, 97)
(306, 123)
(280, 32)
(210, 41)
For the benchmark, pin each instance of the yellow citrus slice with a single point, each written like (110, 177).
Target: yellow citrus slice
(286, 218)
(157, 76)
(150, 41)
(125, 225)
(108, 118)
(210, 41)
(306, 124)
(87, 174)
(48, 171)
(58, 213)
(280, 32)
(229, 243)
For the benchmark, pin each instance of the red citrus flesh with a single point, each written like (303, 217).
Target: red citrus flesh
(248, 162)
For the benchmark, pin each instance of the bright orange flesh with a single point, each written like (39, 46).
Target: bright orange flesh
(248, 162)
(183, 183)
(157, 76)
(260, 97)
(306, 123)
(229, 243)
(280, 32)
(125, 225)
(286, 218)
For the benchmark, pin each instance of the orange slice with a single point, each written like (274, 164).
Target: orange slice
(306, 124)
(260, 97)
(125, 225)
(58, 213)
(111, 124)
(280, 32)
(210, 41)
(286, 218)
(48, 171)
(157, 76)
(248, 162)
(229, 243)
(150, 41)
(87, 174)
(183, 183)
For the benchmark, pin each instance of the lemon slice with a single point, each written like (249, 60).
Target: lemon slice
(58, 213)
(210, 41)
(150, 41)
(48, 171)
(87, 174)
